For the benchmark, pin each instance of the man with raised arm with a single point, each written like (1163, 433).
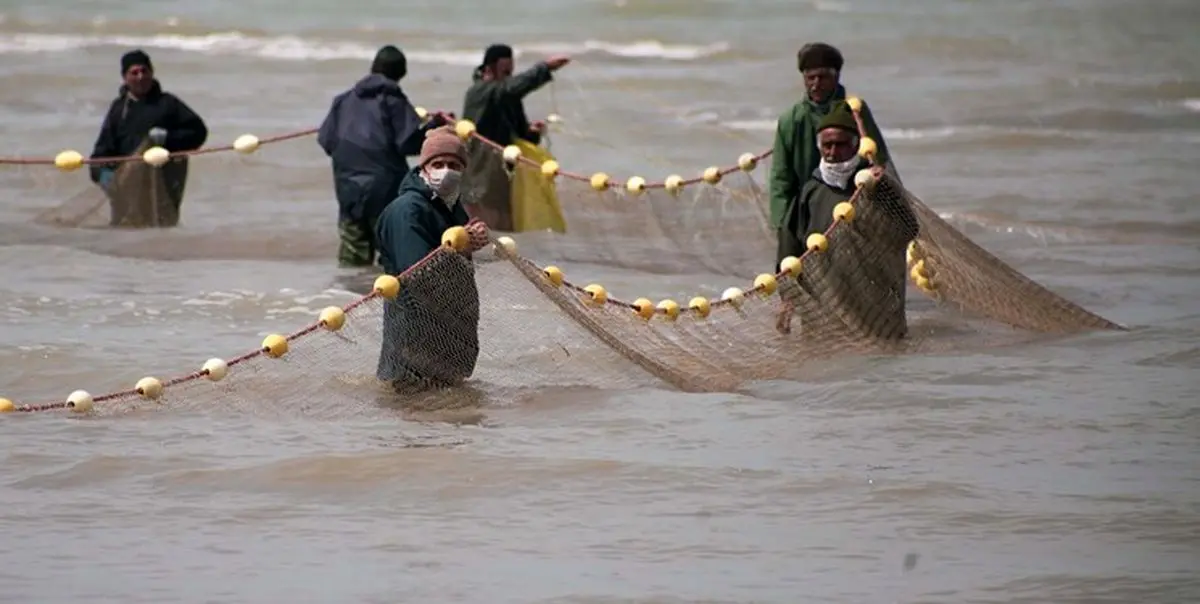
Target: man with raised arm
(143, 113)
(795, 154)
(495, 103)
(368, 134)
(431, 329)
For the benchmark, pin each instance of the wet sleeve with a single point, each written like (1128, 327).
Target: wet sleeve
(187, 131)
(527, 81)
(784, 181)
(526, 127)
(794, 225)
(413, 145)
(789, 243)
(327, 135)
(106, 143)
(875, 133)
(406, 126)
(406, 237)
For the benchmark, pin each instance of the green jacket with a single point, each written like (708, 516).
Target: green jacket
(498, 112)
(795, 155)
(497, 107)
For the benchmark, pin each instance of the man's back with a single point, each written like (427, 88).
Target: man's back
(367, 127)
(368, 133)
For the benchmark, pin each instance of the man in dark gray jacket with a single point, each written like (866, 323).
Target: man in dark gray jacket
(369, 132)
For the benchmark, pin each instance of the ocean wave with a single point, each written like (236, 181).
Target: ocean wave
(891, 134)
(1192, 105)
(831, 7)
(295, 48)
(998, 135)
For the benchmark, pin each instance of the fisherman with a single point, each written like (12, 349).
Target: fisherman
(795, 155)
(431, 330)
(368, 133)
(494, 102)
(144, 113)
(832, 182)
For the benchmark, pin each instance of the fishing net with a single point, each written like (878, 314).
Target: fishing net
(538, 329)
(141, 196)
(465, 328)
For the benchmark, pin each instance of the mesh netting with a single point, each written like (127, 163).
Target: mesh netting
(140, 196)
(460, 331)
(147, 189)
(535, 330)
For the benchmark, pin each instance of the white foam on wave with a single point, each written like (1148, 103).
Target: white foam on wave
(831, 7)
(1192, 105)
(751, 125)
(891, 134)
(294, 48)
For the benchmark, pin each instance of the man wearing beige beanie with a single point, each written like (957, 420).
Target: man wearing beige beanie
(411, 355)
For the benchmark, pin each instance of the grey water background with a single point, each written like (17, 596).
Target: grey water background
(1064, 134)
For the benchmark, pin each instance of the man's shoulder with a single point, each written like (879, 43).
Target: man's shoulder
(811, 187)
(481, 88)
(798, 110)
(170, 97)
(171, 100)
(793, 115)
(788, 115)
(408, 207)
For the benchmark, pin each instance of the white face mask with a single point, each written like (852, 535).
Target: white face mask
(838, 175)
(444, 183)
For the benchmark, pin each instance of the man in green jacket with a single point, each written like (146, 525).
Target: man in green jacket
(495, 103)
(795, 155)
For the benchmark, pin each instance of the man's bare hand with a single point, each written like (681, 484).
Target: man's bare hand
(557, 62)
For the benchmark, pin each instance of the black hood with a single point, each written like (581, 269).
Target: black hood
(376, 85)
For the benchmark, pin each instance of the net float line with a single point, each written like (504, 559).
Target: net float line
(457, 240)
(70, 160)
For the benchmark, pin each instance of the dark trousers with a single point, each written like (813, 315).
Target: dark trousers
(356, 242)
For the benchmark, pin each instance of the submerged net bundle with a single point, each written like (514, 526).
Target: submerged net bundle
(537, 328)
(147, 190)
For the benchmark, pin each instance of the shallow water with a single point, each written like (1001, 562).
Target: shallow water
(1061, 135)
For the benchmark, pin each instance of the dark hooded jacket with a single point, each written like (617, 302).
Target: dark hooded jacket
(129, 120)
(795, 153)
(368, 133)
(430, 330)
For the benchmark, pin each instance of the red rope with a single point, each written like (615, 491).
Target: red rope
(349, 308)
